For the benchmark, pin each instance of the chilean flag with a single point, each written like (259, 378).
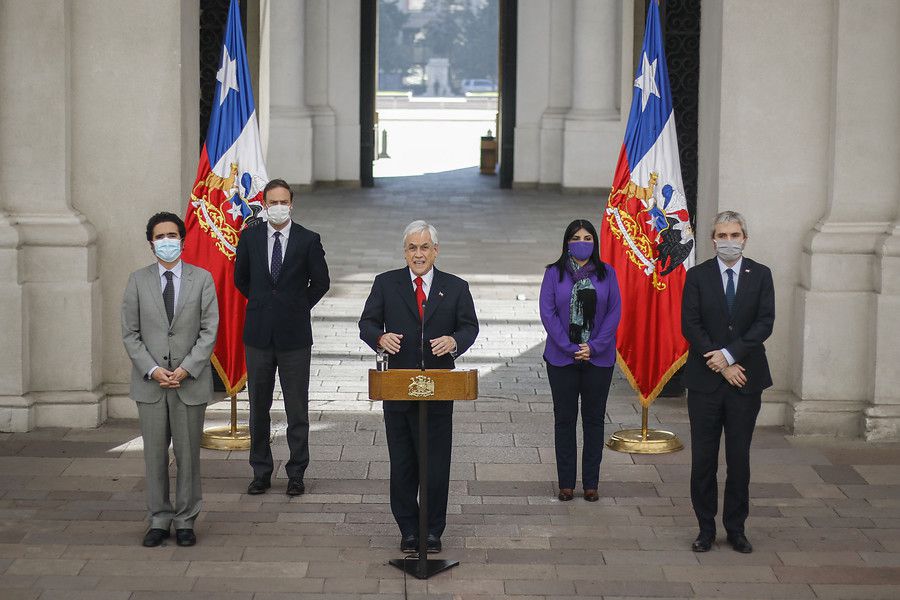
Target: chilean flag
(646, 233)
(227, 196)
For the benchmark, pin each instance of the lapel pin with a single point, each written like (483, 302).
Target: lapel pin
(441, 294)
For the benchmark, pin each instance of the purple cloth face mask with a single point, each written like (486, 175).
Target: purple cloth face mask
(581, 250)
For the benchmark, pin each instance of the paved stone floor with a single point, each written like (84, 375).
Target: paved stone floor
(825, 514)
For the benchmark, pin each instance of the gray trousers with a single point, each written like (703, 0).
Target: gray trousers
(171, 420)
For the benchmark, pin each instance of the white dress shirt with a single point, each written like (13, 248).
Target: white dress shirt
(736, 268)
(427, 278)
(176, 283)
(176, 279)
(270, 241)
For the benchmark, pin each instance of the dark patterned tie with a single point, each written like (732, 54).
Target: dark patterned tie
(276, 257)
(169, 296)
(420, 298)
(729, 290)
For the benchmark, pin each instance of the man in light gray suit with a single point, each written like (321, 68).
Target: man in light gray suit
(170, 316)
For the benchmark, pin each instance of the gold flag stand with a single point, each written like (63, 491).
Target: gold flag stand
(227, 437)
(644, 440)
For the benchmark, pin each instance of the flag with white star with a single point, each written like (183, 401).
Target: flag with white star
(227, 196)
(646, 232)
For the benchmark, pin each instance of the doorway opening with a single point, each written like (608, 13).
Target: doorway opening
(431, 85)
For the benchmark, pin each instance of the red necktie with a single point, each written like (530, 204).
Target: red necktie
(420, 298)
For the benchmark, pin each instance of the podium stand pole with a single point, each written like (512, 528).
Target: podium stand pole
(423, 567)
(422, 386)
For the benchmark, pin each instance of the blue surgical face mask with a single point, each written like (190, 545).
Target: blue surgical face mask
(167, 249)
(581, 250)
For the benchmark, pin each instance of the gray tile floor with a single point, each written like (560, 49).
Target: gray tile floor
(825, 516)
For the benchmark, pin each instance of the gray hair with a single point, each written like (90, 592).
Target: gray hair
(730, 216)
(419, 227)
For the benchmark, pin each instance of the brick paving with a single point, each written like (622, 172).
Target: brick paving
(825, 516)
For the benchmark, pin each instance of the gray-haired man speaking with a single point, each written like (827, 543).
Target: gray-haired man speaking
(421, 317)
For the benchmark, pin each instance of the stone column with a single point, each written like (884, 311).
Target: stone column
(559, 94)
(289, 155)
(592, 125)
(847, 298)
(882, 418)
(51, 337)
(764, 152)
(316, 72)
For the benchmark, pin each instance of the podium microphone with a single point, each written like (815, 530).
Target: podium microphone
(422, 340)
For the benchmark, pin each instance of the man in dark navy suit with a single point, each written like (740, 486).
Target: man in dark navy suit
(400, 302)
(727, 312)
(280, 267)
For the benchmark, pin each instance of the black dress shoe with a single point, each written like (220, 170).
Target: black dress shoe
(433, 544)
(740, 543)
(703, 543)
(295, 486)
(155, 537)
(409, 543)
(258, 486)
(185, 537)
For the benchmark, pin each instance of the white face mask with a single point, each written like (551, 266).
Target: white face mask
(728, 250)
(279, 213)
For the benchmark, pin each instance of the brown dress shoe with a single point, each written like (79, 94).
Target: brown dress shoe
(591, 495)
(566, 494)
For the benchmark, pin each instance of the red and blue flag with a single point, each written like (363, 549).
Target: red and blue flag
(227, 196)
(646, 233)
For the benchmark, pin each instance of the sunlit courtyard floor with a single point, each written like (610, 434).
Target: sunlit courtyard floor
(825, 515)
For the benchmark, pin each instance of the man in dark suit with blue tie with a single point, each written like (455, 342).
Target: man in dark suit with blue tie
(727, 312)
(422, 318)
(280, 268)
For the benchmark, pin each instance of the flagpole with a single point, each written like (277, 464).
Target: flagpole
(644, 440)
(227, 437)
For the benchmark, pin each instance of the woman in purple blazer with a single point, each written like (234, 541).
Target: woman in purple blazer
(580, 310)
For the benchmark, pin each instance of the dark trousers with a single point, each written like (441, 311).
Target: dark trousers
(293, 372)
(402, 429)
(735, 413)
(567, 383)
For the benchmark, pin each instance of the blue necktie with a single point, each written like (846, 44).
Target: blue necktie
(729, 290)
(276, 257)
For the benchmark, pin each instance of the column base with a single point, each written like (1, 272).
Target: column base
(882, 423)
(16, 414)
(290, 154)
(826, 417)
(52, 409)
(118, 403)
(590, 139)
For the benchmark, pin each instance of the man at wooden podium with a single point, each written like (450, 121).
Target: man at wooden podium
(400, 302)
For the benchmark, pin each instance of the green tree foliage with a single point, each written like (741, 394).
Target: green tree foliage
(463, 31)
(394, 55)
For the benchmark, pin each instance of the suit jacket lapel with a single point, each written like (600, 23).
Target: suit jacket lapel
(405, 290)
(715, 276)
(435, 295)
(154, 286)
(262, 246)
(187, 283)
(743, 287)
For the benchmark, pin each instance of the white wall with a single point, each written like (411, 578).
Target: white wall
(792, 135)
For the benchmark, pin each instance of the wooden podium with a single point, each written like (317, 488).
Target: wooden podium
(420, 386)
